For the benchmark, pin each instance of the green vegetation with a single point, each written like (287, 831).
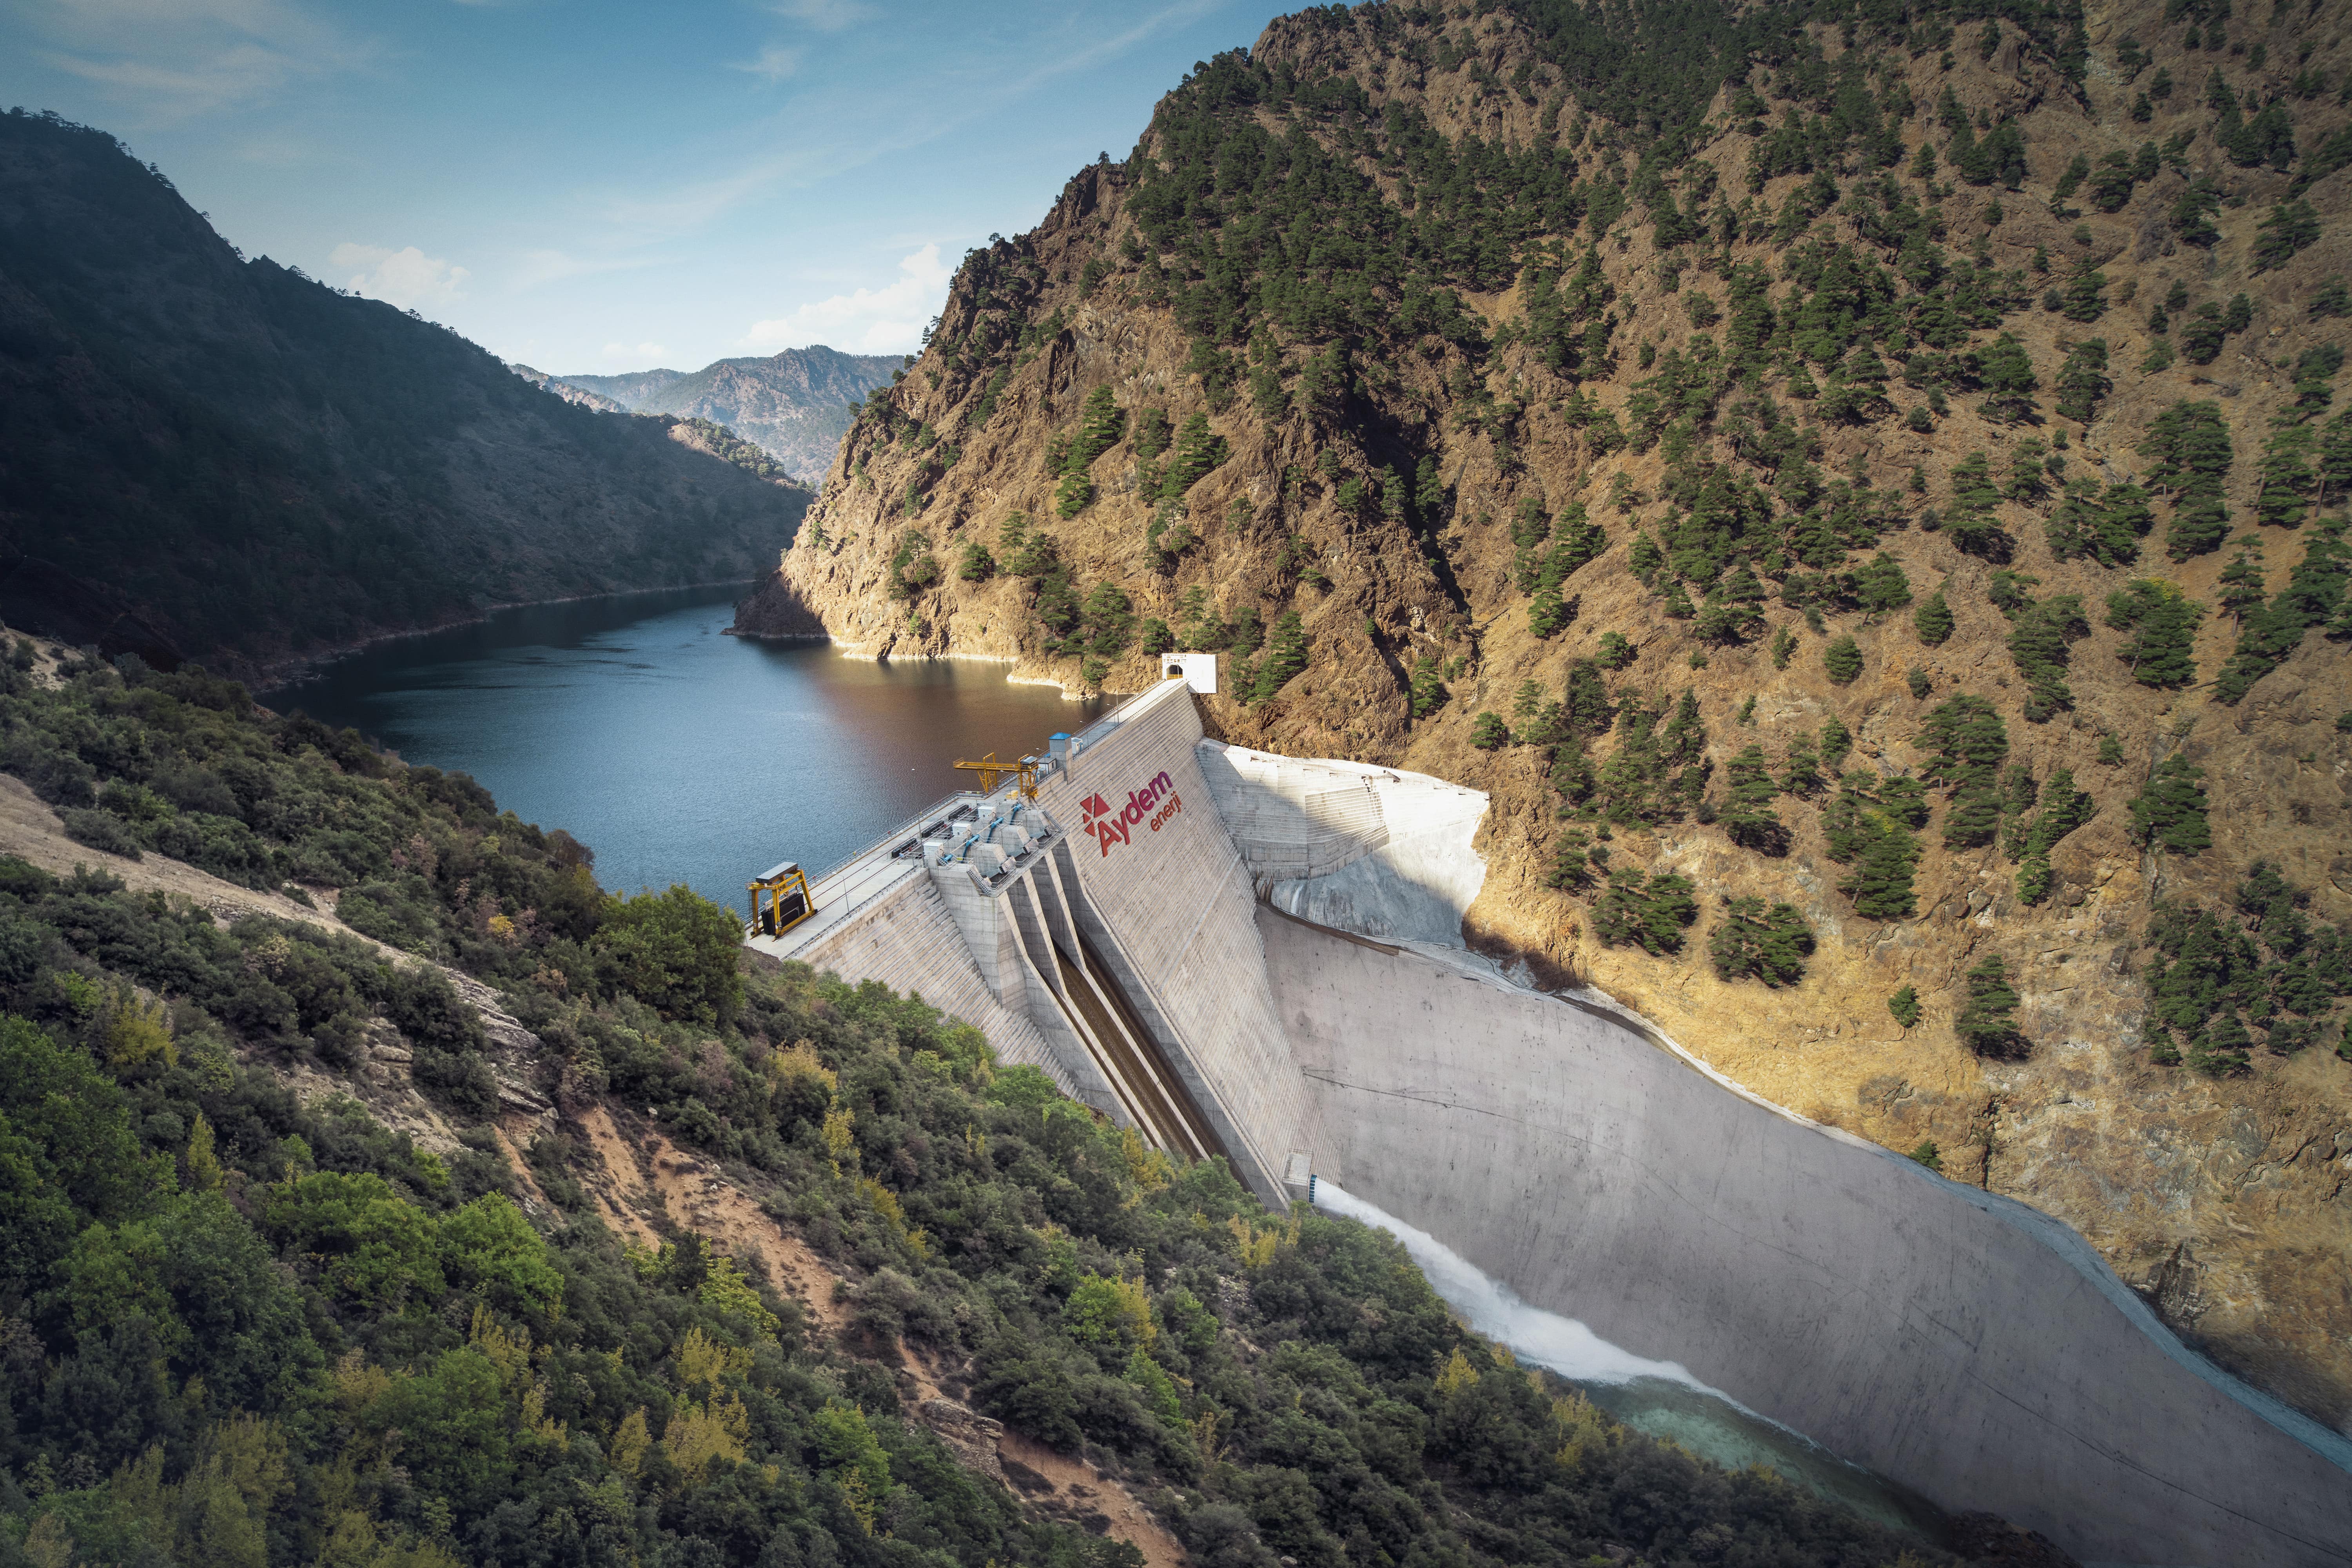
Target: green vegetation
(1869, 826)
(2189, 443)
(2255, 973)
(1841, 659)
(2169, 812)
(2314, 596)
(1904, 1007)
(1645, 911)
(1753, 941)
(2163, 623)
(1987, 1020)
(2040, 633)
(224, 1301)
(1970, 744)
(2063, 809)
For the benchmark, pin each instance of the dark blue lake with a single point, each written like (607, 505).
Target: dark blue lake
(678, 753)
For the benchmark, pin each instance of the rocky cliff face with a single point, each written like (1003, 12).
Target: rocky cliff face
(1432, 318)
(795, 405)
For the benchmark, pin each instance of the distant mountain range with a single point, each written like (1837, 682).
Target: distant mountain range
(795, 403)
(208, 456)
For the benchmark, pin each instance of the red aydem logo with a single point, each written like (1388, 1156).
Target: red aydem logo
(1151, 806)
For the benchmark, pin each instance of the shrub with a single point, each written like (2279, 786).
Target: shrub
(677, 950)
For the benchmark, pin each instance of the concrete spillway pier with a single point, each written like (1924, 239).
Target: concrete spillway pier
(1258, 957)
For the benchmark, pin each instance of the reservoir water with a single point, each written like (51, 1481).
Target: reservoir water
(678, 753)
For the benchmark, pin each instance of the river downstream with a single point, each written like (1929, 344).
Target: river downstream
(675, 752)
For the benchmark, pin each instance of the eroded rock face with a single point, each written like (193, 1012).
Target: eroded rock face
(2222, 1200)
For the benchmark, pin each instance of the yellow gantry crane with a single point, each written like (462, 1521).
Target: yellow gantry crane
(780, 900)
(990, 770)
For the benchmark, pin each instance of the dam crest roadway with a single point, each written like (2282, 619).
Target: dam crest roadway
(1260, 957)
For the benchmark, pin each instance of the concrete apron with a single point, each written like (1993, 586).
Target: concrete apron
(1962, 1345)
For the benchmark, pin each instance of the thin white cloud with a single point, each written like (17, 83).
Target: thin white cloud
(838, 140)
(889, 320)
(826, 16)
(406, 278)
(773, 63)
(173, 59)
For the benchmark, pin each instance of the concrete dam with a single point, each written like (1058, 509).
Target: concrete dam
(1259, 957)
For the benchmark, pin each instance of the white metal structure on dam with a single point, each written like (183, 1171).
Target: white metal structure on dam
(1259, 957)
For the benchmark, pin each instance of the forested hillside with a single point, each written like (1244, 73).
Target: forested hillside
(222, 457)
(1862, 487)
(375, 1242)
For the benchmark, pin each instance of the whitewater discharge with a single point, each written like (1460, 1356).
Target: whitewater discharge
(1659, 1397)
(1492, 1308)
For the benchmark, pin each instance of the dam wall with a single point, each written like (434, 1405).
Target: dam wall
(1171, 906)
(1963, 1345)
(1256, 955)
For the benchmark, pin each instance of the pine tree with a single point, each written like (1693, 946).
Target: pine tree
(1970, 743)
(2164, 623)
(1747, 817)
(2008, 380)
(1987, 1021)
(1881, 882)
(1843, 660)
(2170, 810)
(1428, 691)
(1198, 450)
(977, 565)
(1572, 772)
(2286, 476)
(1285, 655)
(2083, 380)
(2243, 582)
(1571, 860)
(1836, 741)
(1971, 521)
(1753, 941)
(1101, 422)
(1488, 732)
(1905, 1007)
(1585, 700)
(2291, 224)
(1646, 912)
(1933, 619)
(1881, 585)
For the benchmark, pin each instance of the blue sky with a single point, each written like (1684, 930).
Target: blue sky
(590, 186)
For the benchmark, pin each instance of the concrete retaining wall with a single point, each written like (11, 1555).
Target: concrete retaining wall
(1963, 1345)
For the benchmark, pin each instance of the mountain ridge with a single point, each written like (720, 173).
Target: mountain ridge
(794, 404)
(265, 469)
